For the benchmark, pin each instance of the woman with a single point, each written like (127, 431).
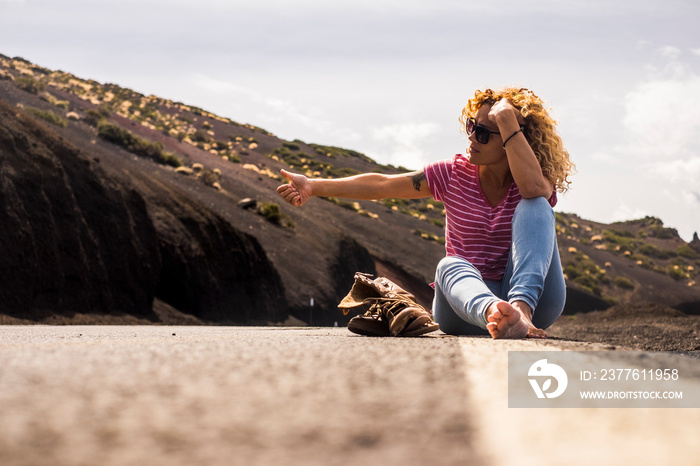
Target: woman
(502, 273)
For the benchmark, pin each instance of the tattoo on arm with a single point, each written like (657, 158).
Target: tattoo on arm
(417, 178)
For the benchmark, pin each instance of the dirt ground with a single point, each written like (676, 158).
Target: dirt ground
(650, 327)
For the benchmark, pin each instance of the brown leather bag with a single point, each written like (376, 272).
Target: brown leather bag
(389, 309)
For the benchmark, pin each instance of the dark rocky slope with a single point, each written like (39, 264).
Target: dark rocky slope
(75, 240)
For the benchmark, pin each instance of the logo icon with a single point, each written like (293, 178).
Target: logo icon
(543, 369)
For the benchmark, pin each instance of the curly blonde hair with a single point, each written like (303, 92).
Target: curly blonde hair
(540, 131)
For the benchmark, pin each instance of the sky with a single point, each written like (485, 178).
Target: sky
(389, 78)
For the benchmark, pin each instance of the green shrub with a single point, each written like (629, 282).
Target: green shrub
(149, 113)
(93, 117)
(299, 161)
(623, 282)
(274, 214)
(391, 202)
(29, 84)
(49, 116)
(141, 147)
(571, 271)
(623, 239)
(676, 272)
(40, 70)
(429, 236)
(104, 110)
(200, 136)
(168, 158)
(686, 251)
(116, 134)
(339, 152)
(271, 212)
(341, 203)
(643, 261)
(47, 97)
(208, 177)
(589, 283)
(653, 251)
(661, 232)
(6, 76)
(586, 273)
(291, 146)
(343, 172)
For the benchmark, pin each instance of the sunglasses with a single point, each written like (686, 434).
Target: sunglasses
(481, 133)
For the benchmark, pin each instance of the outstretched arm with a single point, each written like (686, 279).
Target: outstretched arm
(366, 186)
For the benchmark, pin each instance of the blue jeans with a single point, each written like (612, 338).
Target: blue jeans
(533, 275)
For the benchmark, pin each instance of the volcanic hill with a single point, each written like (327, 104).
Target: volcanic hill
(117, 205)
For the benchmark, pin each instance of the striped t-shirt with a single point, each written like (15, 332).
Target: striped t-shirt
(474, 230)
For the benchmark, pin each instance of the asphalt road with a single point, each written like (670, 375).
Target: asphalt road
(113, 395)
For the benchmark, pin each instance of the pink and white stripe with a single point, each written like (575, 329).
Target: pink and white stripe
(474, 230)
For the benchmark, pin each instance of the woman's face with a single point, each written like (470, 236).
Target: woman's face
(492, 152)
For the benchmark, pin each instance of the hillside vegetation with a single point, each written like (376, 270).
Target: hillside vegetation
(231, 169)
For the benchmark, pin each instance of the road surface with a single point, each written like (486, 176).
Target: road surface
(156, 395)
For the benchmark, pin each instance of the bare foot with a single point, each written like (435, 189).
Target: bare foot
(526, 316)
(505, 321)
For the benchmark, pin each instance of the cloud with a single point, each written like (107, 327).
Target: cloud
(221, 87)
(670, 52)
(662, 119)
(680, 170)
(663, 129)
(657, 161)
(401, 142)
(681, 209)
(271, 109)
(625, 212)
(662, 116)
(606, 157)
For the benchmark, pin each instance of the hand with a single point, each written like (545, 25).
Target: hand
(297, 191)
(504, 110)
